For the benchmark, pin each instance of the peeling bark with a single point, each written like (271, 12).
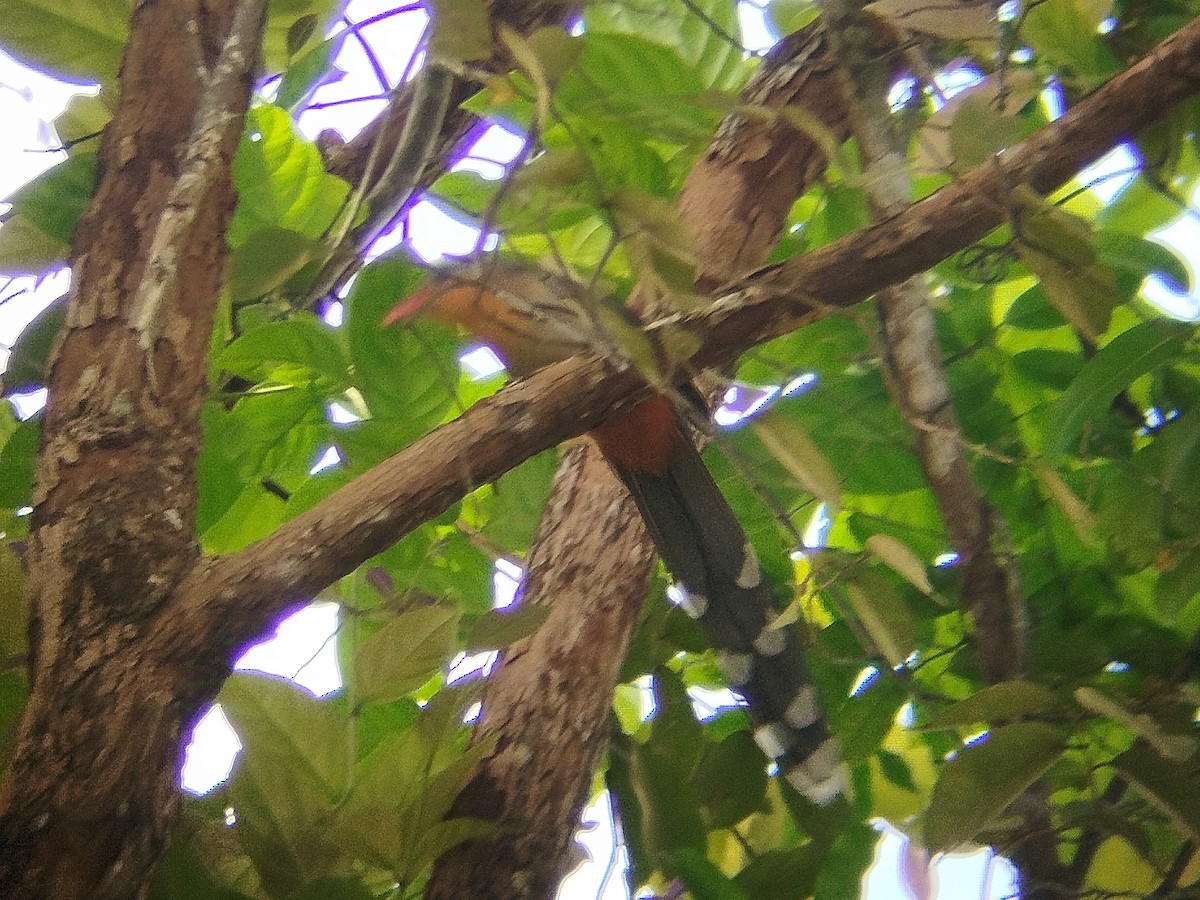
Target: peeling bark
(85, 810)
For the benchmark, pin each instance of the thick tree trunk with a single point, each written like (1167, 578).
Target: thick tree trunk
(92, 788)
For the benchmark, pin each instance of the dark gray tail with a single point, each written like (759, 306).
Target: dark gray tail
(706, 550)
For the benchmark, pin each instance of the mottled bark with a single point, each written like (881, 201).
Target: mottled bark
(92, 789)
(548, 707)
(590, 561)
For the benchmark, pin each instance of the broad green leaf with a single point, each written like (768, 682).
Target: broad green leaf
(405, 653)
(31, 351)
(544, 57)
(406, 373)
(1170, 787)
(280, 180)
(639, 82)
(789, 16)
(301, 341)
(703, 880)
(1060, 34)
(1129, 356)
(82, 40)
(305, 74)
(290, 20)
(1059, 248)
(800, 456)
(184, 873)
(781, 874)
(294, 764)
(846, 863)
(669, 812)
(996, 703)
(38, 235)
(863, 721)
(501, 627)
(704, 33)
(84, 118)
(1142, 258)
(1080, 517)
(731, 780)
(983, 779)
(287, 725)
(1118, 869)
(16, 461)
(518, 498)
(265, 260)
(1053, 368)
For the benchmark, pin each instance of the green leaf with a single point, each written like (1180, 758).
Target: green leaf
(731, 780)
(996, 703)
(30, 356)
(265, 260)
(305, 74)
(846, 863)
(1129, 356)
(82, 40)
(801, 457)
(899, 557)
(302, 341)
(1061, 35)
(789, 16)
(37, 236)
(884, 614)
(16, 462)
(703, 880)
(280, 180)
(294, 765)
(517, 501)
(287, 21)
(782, 874)
(862, 721)
(1167, 785)
(983, 779)
(300, 31)
(703, 33)
(669, 813)
(1142, 258)
(501, 627)
(636, 81)
(402, 371)
(405, 653)
(284, 723)
(980, 129)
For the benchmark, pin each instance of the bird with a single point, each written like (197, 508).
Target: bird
(533, 317)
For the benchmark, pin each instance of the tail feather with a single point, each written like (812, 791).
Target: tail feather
(706, 550)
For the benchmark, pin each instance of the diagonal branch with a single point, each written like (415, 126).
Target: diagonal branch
(246, 589)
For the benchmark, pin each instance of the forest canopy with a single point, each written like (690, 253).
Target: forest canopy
(961, 399)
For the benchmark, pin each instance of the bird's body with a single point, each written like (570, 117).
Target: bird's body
(532, 318)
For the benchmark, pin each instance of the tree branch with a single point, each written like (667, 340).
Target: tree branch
(244, 590)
